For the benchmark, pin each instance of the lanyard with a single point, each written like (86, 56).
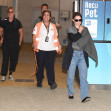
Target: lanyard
(46, 28)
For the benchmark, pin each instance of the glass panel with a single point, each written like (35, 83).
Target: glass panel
(108, 21)
(93, 0)
(102, 73)
(93, 18)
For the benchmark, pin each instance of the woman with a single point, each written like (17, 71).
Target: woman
(46, 43)
(80, 46)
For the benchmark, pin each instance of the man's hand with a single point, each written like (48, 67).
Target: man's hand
(20, 43)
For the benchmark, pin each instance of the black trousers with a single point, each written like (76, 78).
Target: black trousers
(47, 59)
(10, 55)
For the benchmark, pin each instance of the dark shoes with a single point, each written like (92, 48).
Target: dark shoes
(39, 84)
(53, 86)
(86, 99)
(71, 97)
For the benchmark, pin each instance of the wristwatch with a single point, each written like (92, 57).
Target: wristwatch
(59, 46)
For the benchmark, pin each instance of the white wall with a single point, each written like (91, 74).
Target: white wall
(25, 16)
(51, 3)
(6, 3)
(65, 5)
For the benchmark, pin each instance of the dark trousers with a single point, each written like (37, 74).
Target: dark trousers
(47, 59)
(10, 55)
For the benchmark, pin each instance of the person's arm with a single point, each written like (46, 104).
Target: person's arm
(85, 38)
(72, 33)
(83, 41)
(1, 36)
(56, 34)
(58, 26)
(20, 36)
(0, 33)
(74, 37)
(60, 48)
(34, 46)
(20, 29)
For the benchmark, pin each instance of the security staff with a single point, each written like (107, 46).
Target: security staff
(11, 41)
(46, 43)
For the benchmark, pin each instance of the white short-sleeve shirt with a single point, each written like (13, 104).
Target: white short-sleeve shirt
(45, 46)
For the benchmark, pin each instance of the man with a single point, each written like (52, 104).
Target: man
(39, 19)
(11, 40)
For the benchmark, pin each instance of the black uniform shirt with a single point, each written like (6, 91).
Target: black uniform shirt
(11, 31)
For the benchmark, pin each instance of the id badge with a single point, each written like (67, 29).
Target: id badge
(47, 39)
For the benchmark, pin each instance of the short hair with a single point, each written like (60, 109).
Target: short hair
(77, 14)
(46, 11)
(44, 5)
(10, 8)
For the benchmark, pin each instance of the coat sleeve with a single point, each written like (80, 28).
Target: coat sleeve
(80, 44)
(74, 37)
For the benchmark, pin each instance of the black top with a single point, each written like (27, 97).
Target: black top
(69, 51)
(11, 31)
(74, 37)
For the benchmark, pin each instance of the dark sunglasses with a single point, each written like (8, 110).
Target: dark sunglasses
(10, 11)
(76, 20)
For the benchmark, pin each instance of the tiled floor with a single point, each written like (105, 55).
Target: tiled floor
(26, 67)
(25, 96)
(44, 99)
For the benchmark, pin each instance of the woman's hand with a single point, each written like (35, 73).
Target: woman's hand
(34, 46)
(81, 28)
(60, 50)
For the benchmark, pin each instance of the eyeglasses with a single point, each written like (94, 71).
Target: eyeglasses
(10, 11)
(76, 20)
